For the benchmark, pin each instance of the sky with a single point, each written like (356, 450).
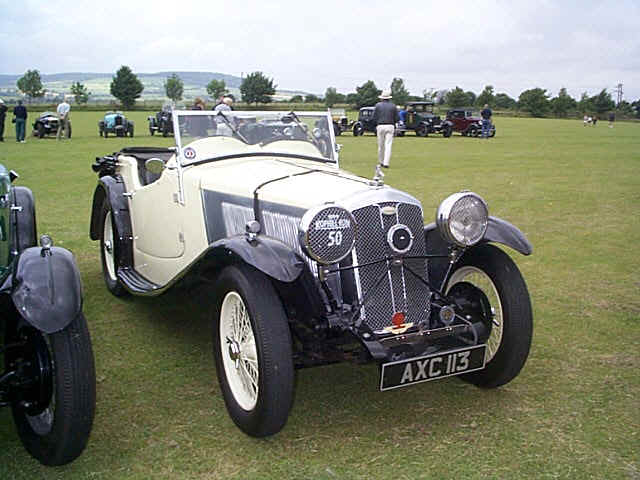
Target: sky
(513, 45)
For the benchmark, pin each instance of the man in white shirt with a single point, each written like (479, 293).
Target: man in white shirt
(63, 119)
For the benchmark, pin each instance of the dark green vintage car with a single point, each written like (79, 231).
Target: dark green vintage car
(48, 379)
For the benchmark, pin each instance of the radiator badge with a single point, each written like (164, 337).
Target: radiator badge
(389, 210)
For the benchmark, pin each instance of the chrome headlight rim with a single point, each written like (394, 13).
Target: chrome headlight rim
(444, 215)
(304, 230)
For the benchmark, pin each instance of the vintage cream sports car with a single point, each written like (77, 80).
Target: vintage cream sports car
(309, 264)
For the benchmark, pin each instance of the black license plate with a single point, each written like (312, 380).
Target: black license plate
(430, 367)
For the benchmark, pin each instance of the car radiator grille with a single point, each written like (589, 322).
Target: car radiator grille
(399, 291)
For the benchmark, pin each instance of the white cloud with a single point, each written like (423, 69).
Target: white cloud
(584, 46)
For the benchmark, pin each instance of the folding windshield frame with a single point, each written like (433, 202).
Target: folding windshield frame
(180, 160)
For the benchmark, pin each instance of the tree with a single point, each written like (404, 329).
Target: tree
(456, 98)
(636, 108)
(331, 97)
(174, 88)
(297, 99)
(561, 104)
(352, 99)
(367, 94)
(602, 102)
(257, 88)
(80, 92)
(311, 98)
(216, 88)
(398, 91)
(486, 97)
(471, 97)
(502, 100)
(535, 101)
(31, 84)
(584, 105)
(126, 87)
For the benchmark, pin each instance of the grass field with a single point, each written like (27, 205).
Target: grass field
(574, 411)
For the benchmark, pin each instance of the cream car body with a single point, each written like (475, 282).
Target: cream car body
(307, 263)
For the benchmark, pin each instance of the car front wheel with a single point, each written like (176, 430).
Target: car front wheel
(422, 131)
(358, 130)
(492, 271)
(252, 350)
(54, 405)
(108, 252)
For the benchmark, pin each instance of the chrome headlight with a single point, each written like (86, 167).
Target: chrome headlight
(462, 218)
(327, 233)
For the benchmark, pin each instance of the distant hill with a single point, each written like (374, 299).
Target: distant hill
(195, 83)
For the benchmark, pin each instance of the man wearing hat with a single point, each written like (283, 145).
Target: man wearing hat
(385, 116)
(3, 114)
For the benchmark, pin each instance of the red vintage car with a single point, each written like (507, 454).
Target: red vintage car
(466, 123)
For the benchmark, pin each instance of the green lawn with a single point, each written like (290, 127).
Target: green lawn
(574, 411)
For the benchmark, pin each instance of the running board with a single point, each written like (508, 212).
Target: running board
(135, 282)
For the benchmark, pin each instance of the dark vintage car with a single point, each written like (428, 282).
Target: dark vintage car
(47, 124)
(365, 122)
(48, 380)
(308, 264)
(465, 122)
(340, 121)
(115, 123)
(421, 120)
(161, 122)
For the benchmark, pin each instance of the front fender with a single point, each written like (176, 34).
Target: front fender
(498, 231)
(46, 289)
(270, 256)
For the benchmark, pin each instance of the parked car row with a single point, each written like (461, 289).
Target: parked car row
(421, 119)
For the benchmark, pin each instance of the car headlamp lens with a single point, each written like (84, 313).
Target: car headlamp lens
(327, 233)
(462, 218)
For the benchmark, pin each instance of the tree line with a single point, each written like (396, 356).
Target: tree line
(258, 88)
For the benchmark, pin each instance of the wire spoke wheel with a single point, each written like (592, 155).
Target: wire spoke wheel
(252, 350)
(492, 271)
(240, 357)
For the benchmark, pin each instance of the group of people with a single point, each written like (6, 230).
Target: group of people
(386, 116)
(20, 119)
(587, 120)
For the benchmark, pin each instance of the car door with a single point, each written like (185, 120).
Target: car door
(157, 217)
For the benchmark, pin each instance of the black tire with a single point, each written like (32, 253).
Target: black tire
(265, 411)
(400, 134)
(165, 131)
(490, 269)
(54, 414)
(337, 131)
(422, 131)
(41, 132)
(109, 252)
(358, 130)
(151, 131)
(105, 134)
(24, 219)
(447, 131)
(492, 134)
(474, 131)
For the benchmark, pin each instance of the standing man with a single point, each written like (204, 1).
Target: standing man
(486, 120)
(3, 114)
(63, 119)
(385, 116)
(20, 112)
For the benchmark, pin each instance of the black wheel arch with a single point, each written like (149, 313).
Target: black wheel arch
(498, 231)
(45, 288)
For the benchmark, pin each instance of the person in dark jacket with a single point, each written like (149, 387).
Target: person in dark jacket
(486, 121)
(3, 115)
(20, 112)
(385, 117)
